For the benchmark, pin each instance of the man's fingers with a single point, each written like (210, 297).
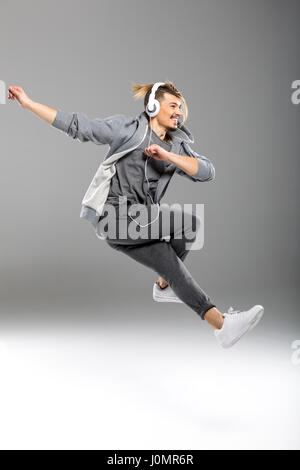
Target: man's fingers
(14, 89)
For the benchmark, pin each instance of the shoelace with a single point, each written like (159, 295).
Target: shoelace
(231, 310)
(231, 313)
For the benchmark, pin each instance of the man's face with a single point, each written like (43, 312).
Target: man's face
(170, 111)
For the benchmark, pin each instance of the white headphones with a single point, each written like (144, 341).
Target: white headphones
(152, 109)
(153, 106)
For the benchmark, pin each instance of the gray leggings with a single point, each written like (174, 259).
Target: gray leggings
(166, 257)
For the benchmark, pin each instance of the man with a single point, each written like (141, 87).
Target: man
(121, 175)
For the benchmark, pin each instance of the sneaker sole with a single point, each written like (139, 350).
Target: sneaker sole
(257, 318)
(250, 326)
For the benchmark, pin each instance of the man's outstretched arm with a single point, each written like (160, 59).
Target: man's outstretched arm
(42, 111)
(76, 125)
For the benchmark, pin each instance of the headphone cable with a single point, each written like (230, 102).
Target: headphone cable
(148, 186)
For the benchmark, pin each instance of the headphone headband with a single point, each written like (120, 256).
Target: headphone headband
(154, 89)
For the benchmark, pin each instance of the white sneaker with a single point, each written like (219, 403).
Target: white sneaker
(164, 295)
(236, 324)
(258, 317)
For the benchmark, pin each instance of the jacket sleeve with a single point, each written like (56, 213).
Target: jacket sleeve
(206, 171)
(78, 126)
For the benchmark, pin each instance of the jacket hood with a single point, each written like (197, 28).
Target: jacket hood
(182, 134)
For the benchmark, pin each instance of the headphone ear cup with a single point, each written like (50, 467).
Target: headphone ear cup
(155, 108)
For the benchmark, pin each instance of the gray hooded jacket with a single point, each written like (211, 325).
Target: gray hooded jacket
(123, 134)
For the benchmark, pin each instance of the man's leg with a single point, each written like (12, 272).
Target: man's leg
(162, 258)
(183, 231)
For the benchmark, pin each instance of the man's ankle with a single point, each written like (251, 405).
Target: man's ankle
(214, 317)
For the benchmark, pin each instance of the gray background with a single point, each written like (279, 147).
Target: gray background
(234, 62)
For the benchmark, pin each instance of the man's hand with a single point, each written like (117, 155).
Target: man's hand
(157, 152)
(41, 110)
(16, 92)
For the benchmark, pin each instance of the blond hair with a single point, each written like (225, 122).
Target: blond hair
(139, 90)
